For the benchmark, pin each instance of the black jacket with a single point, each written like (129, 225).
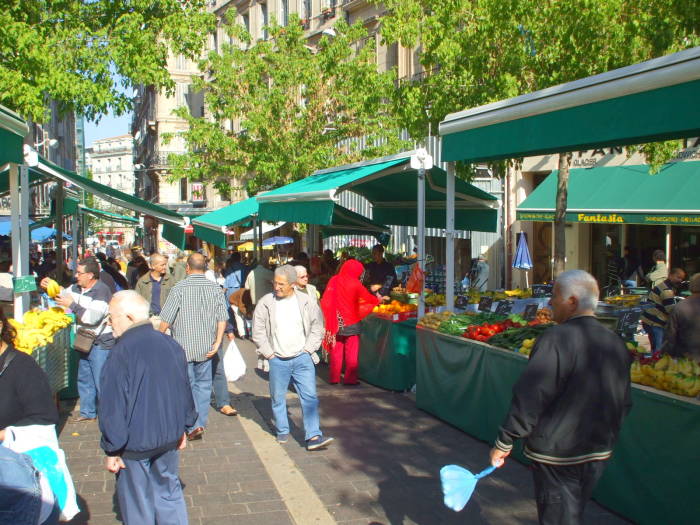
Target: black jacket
(25, 394)
(146, 402)
(570, 400)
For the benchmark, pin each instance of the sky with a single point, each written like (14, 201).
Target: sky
(109, 126)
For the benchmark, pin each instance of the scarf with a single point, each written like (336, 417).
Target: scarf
(345, 301)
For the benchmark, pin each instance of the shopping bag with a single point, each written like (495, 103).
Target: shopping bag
(415, 281)
(458, 484)
(39, 442)
(234, 365)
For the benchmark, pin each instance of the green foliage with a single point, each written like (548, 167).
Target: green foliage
(294, 109)
(481, 51)
(85, 54)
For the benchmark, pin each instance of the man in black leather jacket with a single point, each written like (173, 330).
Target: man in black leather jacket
(569, 402)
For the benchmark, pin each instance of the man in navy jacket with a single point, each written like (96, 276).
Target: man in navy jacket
(145, 408)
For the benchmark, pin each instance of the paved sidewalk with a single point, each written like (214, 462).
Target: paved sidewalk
(381, 470)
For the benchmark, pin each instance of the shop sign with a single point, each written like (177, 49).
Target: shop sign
(614, 218)
(197, 192)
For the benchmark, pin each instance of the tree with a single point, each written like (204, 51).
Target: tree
(479, 51)
(278, 109)
(87, 54)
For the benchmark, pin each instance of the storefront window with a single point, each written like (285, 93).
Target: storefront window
(605, 256)
(685, 249)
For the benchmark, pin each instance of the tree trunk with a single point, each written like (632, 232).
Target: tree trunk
(560, 213)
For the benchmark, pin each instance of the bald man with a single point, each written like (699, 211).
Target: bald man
(196, 311)
(146, 409)
(156, 284)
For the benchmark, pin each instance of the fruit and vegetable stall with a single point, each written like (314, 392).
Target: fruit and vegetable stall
(46, 336)
(467, 364)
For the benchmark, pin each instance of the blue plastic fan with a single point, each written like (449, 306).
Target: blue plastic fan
(458, 484)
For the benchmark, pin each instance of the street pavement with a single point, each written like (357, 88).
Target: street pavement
(382, 469)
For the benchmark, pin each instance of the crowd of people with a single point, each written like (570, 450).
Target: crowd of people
(159, 335)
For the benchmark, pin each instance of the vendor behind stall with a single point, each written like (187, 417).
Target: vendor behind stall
(378, 272)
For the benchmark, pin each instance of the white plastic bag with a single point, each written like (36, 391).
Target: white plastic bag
(39, 442)
(234, 365)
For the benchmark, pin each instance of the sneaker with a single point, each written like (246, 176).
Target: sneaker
(282, 438)
(318, 442)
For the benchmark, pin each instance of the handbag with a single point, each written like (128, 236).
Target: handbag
(84, 339)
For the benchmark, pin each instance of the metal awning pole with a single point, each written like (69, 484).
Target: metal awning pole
(59, 231)
(450, 237)
(20, 231)
(421, 236)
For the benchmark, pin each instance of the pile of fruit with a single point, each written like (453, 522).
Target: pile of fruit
(435, 299)
(544, 316)
(626, 301)
(394, 307)
(38, 328)
(486, 331)
(474, 296)
(676, 375)
(434, 320)
(53, 289)
(515, 338)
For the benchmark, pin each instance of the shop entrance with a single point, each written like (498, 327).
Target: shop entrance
(643, 240)
(541, 252)
(605, 256)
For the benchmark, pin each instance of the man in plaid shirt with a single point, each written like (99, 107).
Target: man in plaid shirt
(196, 313)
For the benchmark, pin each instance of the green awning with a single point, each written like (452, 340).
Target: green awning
(390, 185)
(13, 129)
(651, 101)
(622, 195)
(212, 227)
(109, 216)
(109, 194)
(347, 222)
(174, 234)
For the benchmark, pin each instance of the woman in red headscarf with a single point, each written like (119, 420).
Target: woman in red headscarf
(345, 303)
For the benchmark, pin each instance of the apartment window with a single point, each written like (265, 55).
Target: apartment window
(215, 40)
(265, 20)
(307, 9)
(181, 62)
(181, 92)
(183, 190)
(284, 14)
(246, 22)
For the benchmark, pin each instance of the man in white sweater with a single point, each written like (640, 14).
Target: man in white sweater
(288, 329)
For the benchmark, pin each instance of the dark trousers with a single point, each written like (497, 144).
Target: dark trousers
(563, 491)
(149, 491)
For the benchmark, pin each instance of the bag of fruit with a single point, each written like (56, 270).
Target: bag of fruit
(415, 281)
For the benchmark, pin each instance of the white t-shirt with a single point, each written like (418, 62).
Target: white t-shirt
(289, 338)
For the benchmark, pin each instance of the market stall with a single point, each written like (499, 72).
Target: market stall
(388, 352)
(468, 384)
(647, 478)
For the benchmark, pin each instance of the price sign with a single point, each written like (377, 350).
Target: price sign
(628, 321)
(485, 304)
(504, 307)
(541, 290)
(461, 301)
(23, 284)
(530, 312)
(388, 283)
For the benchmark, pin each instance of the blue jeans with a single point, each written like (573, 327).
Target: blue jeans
(656, 336)
(302, 372)
(220, 384)
(149, 490)
(199, 373)
(89, 370)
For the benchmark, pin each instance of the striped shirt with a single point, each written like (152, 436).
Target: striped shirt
(193, 308)
(662, 296)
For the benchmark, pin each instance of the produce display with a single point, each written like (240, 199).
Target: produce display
(626, 301)
(510, 332)
(676, 375)
(38, 328)
(474, 296)
(394, 307)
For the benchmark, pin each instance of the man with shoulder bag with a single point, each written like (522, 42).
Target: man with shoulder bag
(89, 300)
